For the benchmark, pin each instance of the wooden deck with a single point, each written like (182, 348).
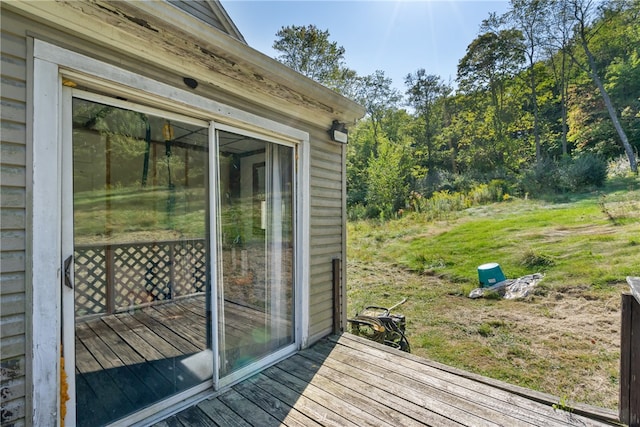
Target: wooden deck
(348, 381)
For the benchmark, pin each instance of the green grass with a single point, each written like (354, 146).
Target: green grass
(562, 340)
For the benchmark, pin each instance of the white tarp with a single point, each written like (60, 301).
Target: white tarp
(510, 288)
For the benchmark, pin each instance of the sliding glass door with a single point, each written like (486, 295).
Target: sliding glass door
(168, 297)
(256, 292)
(142, 258)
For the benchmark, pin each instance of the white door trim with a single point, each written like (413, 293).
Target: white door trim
(46, 199)
(45, 245)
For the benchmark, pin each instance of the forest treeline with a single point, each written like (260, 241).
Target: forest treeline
(546, 98)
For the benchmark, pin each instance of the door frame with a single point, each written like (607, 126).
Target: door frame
(47, 248)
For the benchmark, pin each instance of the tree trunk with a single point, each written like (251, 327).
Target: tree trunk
(536, 119)
(607, 101)
(563, 101)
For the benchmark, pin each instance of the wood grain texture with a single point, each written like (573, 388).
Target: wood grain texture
(348, 381)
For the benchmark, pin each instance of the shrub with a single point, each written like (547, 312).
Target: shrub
(541, 178)
(480, 194)
(584, 171)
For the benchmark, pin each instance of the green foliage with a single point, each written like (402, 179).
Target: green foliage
(307, 49)
(577, 174)
(387, 186)
(585, 171)
(492, 127)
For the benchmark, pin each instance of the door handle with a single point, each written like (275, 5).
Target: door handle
(67, 272)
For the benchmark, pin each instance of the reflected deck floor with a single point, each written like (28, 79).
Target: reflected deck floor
(127, 361)
(348, 381)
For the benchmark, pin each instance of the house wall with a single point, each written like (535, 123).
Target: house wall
(326, 219)
(13, 160)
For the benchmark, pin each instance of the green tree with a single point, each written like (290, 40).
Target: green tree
(378, 97)
(425, 93)
(584, 12)
(309, 51)
(387, 179)
(528, 16)
(492, 59)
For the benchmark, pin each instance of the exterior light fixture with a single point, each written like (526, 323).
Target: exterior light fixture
(338, 132)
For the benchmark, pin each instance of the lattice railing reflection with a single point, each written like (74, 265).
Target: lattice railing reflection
(115, 278)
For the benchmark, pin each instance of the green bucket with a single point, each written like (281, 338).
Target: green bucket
(490, 274)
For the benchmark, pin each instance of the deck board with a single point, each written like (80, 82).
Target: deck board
(348, 381)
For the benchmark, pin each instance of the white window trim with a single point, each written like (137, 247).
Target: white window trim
(45, 202)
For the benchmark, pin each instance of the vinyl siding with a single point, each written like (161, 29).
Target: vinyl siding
(200, 10)
(13, 160)
(327, 234)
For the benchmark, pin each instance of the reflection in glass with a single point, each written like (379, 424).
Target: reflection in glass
(256, 294)
(141, 236)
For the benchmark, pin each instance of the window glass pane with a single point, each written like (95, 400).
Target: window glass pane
(256, 293)
(141, 236)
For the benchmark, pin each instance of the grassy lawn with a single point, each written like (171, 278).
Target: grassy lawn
(564, 339)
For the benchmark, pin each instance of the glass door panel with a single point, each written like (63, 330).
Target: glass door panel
(256, 292)
(142, 273)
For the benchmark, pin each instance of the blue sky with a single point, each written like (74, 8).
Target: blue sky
(398, 37)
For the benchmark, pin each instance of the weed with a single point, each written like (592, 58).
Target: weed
(530, 259)
(485, 330)
(563, 405)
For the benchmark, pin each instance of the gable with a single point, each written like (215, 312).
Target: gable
(210, 12)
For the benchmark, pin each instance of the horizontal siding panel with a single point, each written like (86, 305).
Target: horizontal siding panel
(335, 241)
(13, 154)
(13, 347)
(324, 202)
(320, 329)
(322, 146)
(12, 219)
(319, 174)
(321, 293)
(200, 10)
(331, 221)
(327, 250)
(13, 89)
(324, 269)
(323, 260)
(327, 156)
(12, 325)
(12, 262)
(13, 176)
(335, 230)
(323, 212)
(333, 185)
(12, 304)
(321, 307)
(11, 283)
(325, 165)
(14, 68)
(12, 369)
(13, 240)
(318, 192)
(12, 197)
(13, 45)
(12, 389)
(15, 133)
(12, 412)
(13, 111)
